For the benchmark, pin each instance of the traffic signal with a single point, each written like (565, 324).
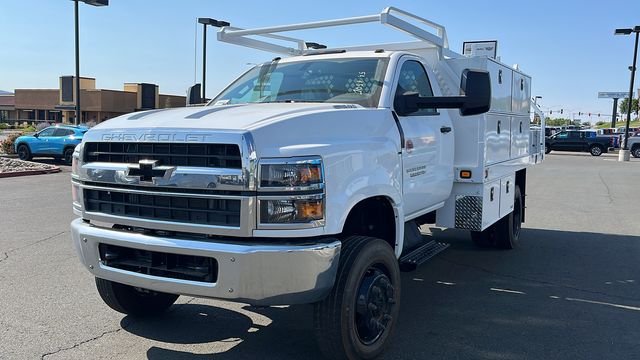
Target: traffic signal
(561, 111)
(579, 113)
(589, 114)
(598, 114)
(550, 112)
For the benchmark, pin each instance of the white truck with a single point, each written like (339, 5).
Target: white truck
(305, 180)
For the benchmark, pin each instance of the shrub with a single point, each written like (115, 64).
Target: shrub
(4, 126)
(6, 146)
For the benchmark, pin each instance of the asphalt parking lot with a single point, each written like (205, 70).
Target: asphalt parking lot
(571, 291)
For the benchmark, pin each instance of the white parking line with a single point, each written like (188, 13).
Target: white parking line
(508, 291)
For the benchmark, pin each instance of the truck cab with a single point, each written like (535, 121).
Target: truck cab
(306, 179)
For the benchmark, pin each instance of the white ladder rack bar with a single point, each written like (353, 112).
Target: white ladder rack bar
(388, 16)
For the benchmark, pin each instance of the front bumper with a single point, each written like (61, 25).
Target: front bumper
(256, 274)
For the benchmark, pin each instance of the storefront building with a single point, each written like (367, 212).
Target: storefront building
(97, 105)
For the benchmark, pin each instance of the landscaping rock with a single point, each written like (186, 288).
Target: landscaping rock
(10, 167)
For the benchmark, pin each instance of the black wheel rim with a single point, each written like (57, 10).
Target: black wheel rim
(374, 303)
(67, 156)
(22, 153)
(596, 151)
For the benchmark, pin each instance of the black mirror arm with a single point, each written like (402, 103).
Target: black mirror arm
(441, 102)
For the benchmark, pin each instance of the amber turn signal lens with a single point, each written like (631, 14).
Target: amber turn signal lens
(465, 174)
(311, 210)
(310, 175)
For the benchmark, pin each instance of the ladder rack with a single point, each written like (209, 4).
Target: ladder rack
(390, 16)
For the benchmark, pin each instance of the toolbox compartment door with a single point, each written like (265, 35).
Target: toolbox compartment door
(497, 138)
(521, 93)
(520, 136)
(490, 203)
(507, 186)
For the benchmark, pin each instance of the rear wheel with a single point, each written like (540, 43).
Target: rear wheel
(67, 157)
(133, 301)
(505, 233)
(636, 152)
(24, 153)
(357, 318)
(547, 149)
(596, 150)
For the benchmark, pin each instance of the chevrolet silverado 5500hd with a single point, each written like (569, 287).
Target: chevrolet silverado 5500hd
(305, 180)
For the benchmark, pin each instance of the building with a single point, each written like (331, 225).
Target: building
(97, 105)
(7, 106)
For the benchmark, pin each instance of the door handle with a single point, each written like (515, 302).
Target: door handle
(445, 129)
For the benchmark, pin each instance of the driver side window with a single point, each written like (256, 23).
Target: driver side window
(47, 132)
(562, 135)
(413, 78)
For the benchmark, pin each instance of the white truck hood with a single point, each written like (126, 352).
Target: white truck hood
(241, 117)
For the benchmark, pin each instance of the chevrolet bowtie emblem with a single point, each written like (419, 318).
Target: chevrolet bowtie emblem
(148, 170)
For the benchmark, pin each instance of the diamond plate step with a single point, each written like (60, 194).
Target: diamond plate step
(420, 255)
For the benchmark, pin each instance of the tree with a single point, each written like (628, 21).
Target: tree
(624, 106)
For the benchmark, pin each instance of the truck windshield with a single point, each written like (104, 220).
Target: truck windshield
(352, 81)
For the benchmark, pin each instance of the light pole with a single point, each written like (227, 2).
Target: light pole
(77, 35)
(624, 152)
(205, 22)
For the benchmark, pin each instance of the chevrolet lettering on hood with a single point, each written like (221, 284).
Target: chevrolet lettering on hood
(158, 137)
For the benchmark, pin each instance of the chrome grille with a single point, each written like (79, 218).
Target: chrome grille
(169, 154)
(181, 209)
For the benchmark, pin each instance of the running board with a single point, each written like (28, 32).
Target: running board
(420, 255)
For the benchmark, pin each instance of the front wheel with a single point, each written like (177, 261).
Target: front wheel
(133, 301)
(547, 149)
(636, 152)
(357, 318)
(596, 150)
(24, 153)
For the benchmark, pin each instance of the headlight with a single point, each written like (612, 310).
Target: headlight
(294, 210)
(291, 174)
(77, 152)
(289, 177)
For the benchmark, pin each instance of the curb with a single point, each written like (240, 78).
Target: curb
(53, 170)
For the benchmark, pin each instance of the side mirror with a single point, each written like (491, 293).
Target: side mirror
(36, 135)
(476, 86)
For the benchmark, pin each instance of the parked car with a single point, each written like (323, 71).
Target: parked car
(620, 135)
(575, 140)
(57, 141)
(634, 145)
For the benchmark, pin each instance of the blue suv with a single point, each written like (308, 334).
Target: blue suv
(55, 141)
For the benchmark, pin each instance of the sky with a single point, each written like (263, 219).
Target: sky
(567, 47)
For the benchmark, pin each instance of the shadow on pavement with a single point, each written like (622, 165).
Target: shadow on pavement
(534, 302)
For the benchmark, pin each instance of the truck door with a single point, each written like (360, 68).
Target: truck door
(561, 141)
(427, 155)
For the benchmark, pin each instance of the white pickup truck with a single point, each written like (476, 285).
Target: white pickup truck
(305, 180)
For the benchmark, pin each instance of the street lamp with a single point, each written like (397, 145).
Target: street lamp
(205, 22)
(624, 152)
(93, 3)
